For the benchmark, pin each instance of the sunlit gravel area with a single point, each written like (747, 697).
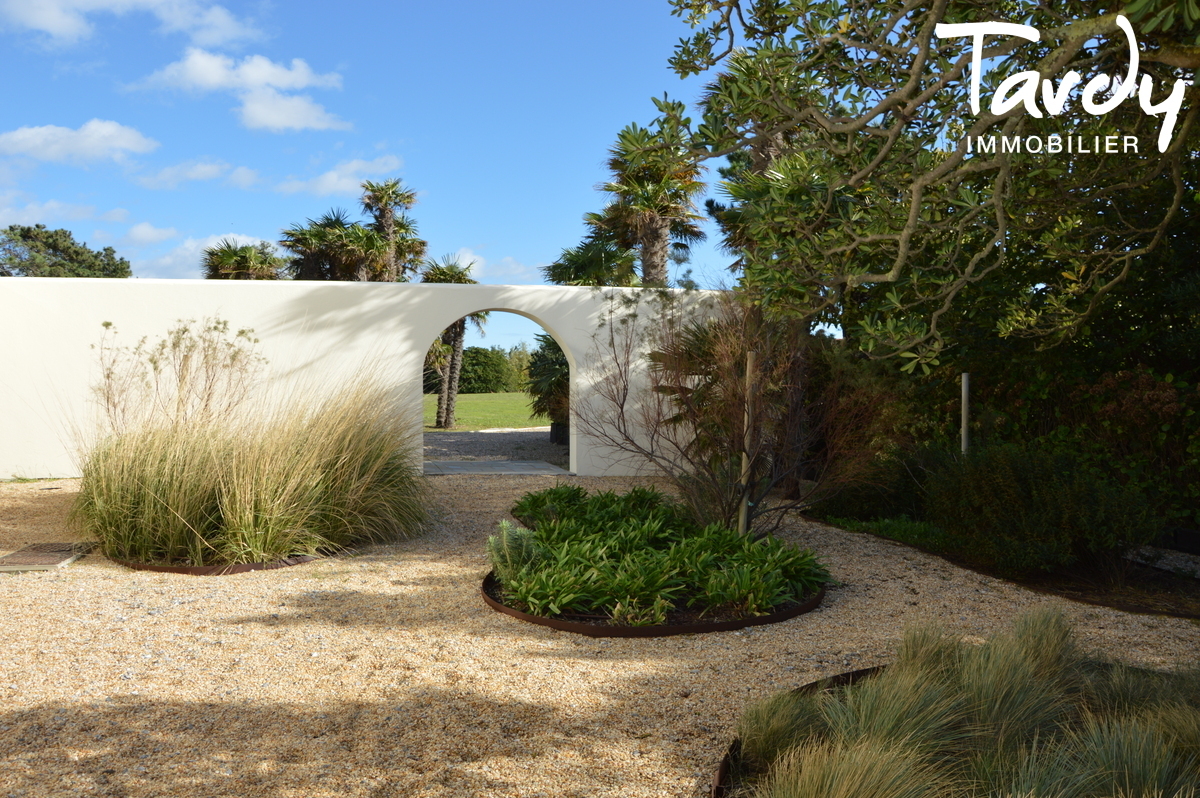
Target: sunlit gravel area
(384, 674)
(508, 445)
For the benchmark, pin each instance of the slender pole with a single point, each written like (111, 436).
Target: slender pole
(744, 510)
(966, 408)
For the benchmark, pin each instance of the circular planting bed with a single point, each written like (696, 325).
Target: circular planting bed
(215, 570)
(599, 626)
(640, 565)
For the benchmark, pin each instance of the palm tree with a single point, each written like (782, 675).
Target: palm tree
(228, 260)
(597, 260)
(405, 250)
(653, 207)
(315, 245)
(335, 248)
(450, 270)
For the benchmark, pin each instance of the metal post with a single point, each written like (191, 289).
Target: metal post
(966, 411)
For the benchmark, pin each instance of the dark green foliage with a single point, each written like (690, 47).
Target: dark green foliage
(633, 558)
(546, 505)
(920, 534)
(39, 252)
(597, 260)
(1136, 425)
(892, 487)
(1025, 714)
(549, 381)
(1022, 509)
(484, 370)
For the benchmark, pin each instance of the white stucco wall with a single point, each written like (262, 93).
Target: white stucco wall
(318, 332)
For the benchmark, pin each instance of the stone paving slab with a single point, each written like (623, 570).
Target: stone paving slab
(527, 467)
(43, 557)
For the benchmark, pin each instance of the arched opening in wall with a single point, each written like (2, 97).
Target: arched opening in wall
(496, 387)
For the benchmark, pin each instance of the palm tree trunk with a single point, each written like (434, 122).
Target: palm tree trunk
(388, 223)
(444, 381)
(460, 335)
(655, 241)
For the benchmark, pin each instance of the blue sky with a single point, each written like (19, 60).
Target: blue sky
(158, 127)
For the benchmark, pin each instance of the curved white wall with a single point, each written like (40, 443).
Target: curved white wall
(317, 331)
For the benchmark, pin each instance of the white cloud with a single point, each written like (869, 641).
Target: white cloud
(242, 177)
(97, 140)
(145, 233)
(345, 178)
(200, 70)
(260, 84)
(184, 260)
(172, 176)
(267, 109)
(506, 271)
(67, 21)
(14, 211)
(17, 208)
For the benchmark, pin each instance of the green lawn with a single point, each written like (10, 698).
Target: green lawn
(487, 411)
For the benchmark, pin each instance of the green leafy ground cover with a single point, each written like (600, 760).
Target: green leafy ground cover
(476, 411)
(638, 559)
(1026, 714)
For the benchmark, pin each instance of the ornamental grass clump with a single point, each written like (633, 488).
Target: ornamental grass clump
(258, 481)
(637, 558)
(1025, 714)
(262, 486)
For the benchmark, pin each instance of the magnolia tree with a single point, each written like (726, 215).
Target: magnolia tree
(887, 155)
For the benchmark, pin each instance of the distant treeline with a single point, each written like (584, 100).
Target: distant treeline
(493, 370)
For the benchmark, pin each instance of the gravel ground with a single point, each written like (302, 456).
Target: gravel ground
(384, 674)
(532, 444)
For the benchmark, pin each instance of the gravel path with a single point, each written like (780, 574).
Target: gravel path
(384, 674)
(533, 444)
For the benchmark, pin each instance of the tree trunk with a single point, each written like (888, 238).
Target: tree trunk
(387, 222)
(309, 269)
(455, 369)
(444, 382)
(656, 240)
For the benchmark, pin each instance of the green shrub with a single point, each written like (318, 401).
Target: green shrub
(260, 485)
(892, 487)
(544, 505)
(1024, 508)
(920, 534)
(484, 370)
(633, 558)
(549, 383)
